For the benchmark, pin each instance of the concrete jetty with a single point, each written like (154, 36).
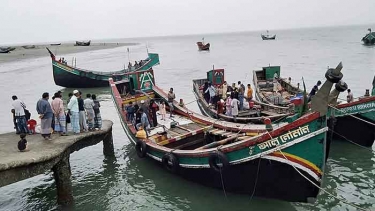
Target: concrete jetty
(47, 155)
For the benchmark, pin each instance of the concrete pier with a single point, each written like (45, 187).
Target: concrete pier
(46, 155)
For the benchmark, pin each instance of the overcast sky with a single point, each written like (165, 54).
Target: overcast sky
(23, 21)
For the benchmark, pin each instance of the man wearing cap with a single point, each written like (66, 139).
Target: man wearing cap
(74, 111)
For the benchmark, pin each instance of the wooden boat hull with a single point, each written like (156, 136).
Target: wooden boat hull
(264, 37)
(344, 126)
(264, 164)
(203, 47)
(71, 77)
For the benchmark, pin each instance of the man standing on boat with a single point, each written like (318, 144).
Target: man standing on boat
(349, 97)
(249, 92)
(171, 97)
(212, 91)
(241, 94)
(314, 90)
(225, 90)
(234, 105)
(145, 124)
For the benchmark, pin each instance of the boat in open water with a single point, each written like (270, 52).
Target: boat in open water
(369, 38)
(254, 112)
(202, 46)
(268, 37)
(73, 77)
(83, 43)
(285, 162)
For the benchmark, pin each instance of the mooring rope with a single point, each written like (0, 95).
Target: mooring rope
(367, 148)
(256, 179)
(352, 115)
(320, 188)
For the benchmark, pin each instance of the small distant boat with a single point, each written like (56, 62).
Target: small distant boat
(6, 49)
(369, 39)
(83, 43)
(28, 46)
(55, 44)
(202, 46)
(268, 37)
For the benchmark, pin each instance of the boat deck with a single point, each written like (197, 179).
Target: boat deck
(256, 128)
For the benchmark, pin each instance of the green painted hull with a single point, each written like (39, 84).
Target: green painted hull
(71, 77)
(296, 149)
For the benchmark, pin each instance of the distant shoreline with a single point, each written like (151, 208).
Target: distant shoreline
(21, 53)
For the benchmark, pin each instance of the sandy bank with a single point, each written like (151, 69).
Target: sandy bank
(40, 50)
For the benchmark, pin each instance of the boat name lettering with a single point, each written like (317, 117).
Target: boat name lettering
(285, 137)
(358, 107)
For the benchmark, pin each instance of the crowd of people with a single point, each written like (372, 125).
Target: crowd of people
(143, 115)
(227, 99)
(82, 114)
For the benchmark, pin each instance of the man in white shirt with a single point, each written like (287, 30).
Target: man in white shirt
(19, 113)
(74, 112)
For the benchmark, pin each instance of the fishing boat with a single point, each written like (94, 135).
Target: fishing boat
(254, 111)
(202, 46)
(268, 37)
(83, 43)
(354, 121)
(54, 44)
(73, 77)
(4, 50)
(7, 49)
(270, 88)
(28, 46)
(369, 39)
(286, 162)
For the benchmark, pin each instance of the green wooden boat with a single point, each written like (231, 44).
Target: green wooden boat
(369, 39)
(249, 159)
(73, 77)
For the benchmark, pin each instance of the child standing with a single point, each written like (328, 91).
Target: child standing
(162, 110)
(22, 144)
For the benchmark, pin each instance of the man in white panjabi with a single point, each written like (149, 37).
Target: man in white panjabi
(234, 104)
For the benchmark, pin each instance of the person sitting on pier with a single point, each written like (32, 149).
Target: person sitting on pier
(45, 114)
(98, 117)
(349, 97)
(314, 90)
(22, 144)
